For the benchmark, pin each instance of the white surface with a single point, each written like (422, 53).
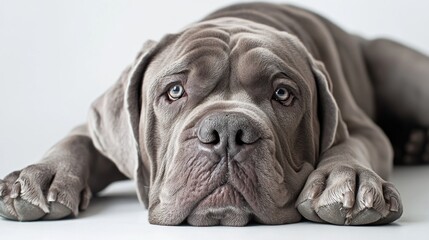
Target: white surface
(58, 56)
(117, 214)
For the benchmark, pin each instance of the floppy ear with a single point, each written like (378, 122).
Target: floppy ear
(328, 111)
(114, 118)
(332, 127)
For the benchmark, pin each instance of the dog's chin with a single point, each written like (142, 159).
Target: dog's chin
(224, 206)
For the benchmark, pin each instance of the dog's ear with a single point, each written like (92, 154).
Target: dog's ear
(331, 124)
(113, 120)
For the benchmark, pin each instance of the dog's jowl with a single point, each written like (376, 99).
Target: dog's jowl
(259, 112)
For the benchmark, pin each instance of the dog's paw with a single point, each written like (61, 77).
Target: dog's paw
(350, 196)
(42, 192)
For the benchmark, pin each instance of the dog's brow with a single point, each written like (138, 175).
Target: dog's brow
(291, 79)
(289, 73)
(174, 69)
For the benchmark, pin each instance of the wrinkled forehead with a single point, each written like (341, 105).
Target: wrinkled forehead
(212, 47)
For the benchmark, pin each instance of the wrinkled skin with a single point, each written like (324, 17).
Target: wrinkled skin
(228, 149)
(228, 182)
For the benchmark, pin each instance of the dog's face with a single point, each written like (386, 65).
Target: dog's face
(229, 126)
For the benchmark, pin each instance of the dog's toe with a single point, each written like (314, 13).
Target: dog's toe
(69, 194)
(392, 204)
(307, 211)
(312, 190)
(57, 211)
(6, 209)
(365, 217)
(27, 211)
(333, 213)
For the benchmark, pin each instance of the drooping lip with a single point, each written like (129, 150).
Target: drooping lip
(225, 191)
(225, 206)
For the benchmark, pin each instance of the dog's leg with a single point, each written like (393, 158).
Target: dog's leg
(349, 184)
(59, 185)
(401, 81)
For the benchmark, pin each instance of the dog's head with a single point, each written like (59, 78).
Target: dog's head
(219, 124)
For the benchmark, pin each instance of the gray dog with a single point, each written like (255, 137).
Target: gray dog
(259, 112)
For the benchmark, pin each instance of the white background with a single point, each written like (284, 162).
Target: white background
(58, 56)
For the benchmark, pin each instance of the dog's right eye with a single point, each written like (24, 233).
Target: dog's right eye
(176, 92)
(284, 96)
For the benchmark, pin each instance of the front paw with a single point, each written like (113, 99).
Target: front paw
(42, 191)
(349, 195)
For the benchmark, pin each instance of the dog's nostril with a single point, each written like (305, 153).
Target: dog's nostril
(239, 137)
(209, 135)
(215, 137)
(227, 131)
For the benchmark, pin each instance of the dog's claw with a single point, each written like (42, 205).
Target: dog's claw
(394, 205)
(52, 196)
(349, 199)
(315, 190)
(368, 200)
(348, 219)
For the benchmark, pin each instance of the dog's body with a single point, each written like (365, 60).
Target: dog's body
(259, 111)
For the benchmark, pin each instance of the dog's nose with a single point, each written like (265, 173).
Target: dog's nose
(228, 132)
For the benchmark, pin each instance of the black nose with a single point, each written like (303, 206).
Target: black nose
(228, 133)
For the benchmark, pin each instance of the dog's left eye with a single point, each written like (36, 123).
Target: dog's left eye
(283, 95)
(176, 92)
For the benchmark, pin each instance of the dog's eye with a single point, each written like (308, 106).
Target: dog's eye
(176, 92)
(283, 95)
